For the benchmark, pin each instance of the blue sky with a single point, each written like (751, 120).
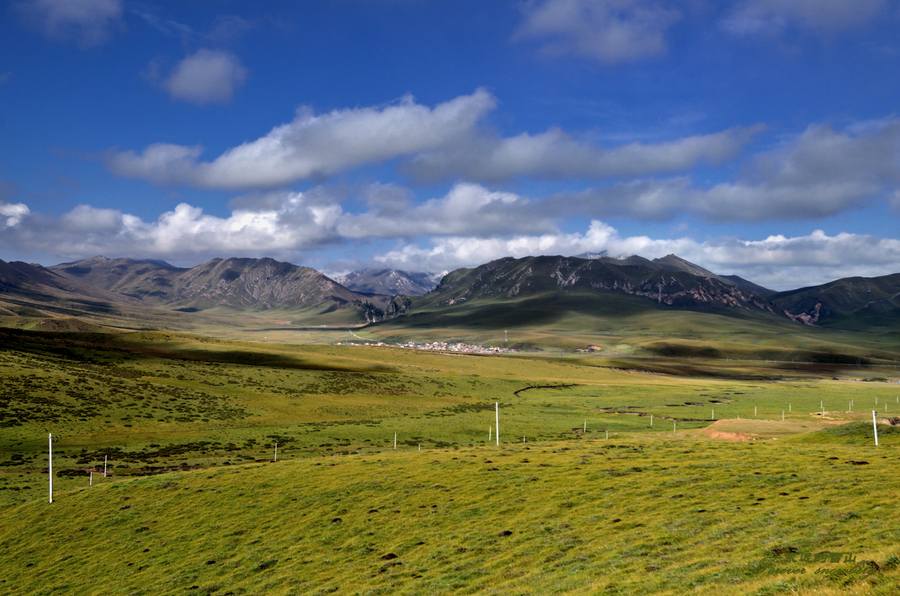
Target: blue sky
(756, 137)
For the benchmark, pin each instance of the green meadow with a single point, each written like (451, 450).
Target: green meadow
(651, 516)
(688, 460)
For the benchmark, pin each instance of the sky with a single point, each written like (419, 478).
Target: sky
(752, 137)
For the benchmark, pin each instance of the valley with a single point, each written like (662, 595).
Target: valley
(645, 447)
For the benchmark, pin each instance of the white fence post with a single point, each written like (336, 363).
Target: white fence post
(50, 442)
(875, 427)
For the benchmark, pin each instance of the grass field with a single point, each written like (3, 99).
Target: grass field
(605, 465)
(651, 516)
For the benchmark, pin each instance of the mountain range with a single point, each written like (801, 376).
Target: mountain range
(121, 288)
(493, 292)
(253, 284)
(390, 281)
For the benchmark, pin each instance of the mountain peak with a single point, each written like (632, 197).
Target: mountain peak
(669, 282)
(389, 281)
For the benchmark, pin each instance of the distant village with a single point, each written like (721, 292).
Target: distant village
(440, 346)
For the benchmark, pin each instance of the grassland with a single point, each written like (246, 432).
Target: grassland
(617, 473)
(654, 516)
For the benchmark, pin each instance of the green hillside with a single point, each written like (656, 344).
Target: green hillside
(853, 433)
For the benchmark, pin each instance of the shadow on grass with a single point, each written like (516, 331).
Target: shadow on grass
(101, 348)
(263, 359)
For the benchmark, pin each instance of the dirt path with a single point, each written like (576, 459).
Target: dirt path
(761, 430)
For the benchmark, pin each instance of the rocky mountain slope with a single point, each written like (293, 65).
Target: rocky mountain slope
(676, 263)
(671, 283)
(33, 290)
(849, 301)
(248, 284)
(749, 285)
(115, 287)
(23, 278)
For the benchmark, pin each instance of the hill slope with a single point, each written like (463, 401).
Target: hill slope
(34, 292)
(849, 302)
(749, 285)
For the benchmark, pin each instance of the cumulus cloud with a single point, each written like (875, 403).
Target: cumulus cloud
(207, 76)
(556, 154)
(776, 262)
(621, 31)
(465, 251)
(284, 224)
(749, 17)
(86, 22)
(12, 213)
(295, 224)
(311, 145)
(467, 209)
(818, 173)
(611, 31)
(440, 143)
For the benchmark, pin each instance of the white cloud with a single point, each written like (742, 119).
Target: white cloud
(818, 173)
(444, 142)
(87, 22)
(296, 224)
(784, 263)
(776, 262)
(611, 31)
(467, 209)
(160, 163)
(207, 76)
(13, 212)
(555, 154)
(774, 16)
(312, 145)
(620, 31)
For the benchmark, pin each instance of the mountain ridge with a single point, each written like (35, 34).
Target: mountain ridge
(390, 281)
(841, 301)
(102, 284)
(669, 283)
(241, 283)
